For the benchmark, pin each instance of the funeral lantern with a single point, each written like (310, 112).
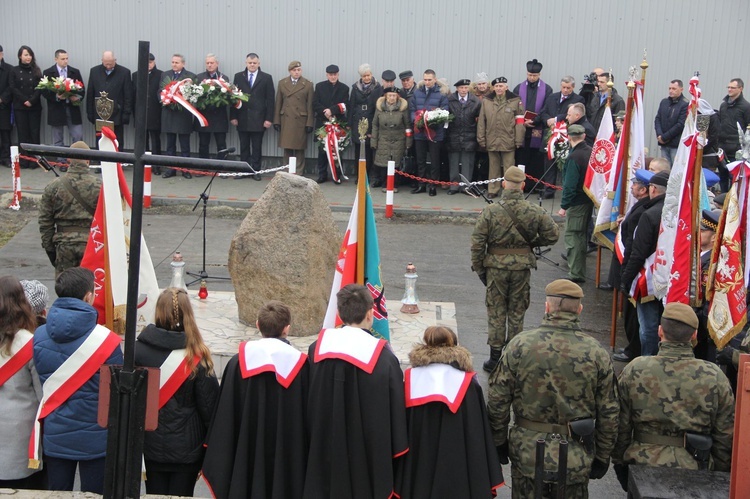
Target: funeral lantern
(410, 300)
(178, 272)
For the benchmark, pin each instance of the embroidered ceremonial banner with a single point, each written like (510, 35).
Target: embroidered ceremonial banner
(600, 163)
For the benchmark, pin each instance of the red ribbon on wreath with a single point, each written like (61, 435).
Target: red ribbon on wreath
(559, 134)
(422, 115)
(334, 132)
(172, 94)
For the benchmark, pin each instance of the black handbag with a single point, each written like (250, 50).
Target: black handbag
(407, 165)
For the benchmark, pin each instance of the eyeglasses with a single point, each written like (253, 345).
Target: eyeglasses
(732, 88)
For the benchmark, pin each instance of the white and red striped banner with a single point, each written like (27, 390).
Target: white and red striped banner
(559, 134)
(173, 372)
(601, 160)
(172, 93)
(21, 352)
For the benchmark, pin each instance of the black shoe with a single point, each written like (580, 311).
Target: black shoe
(605, 286)
(187, 175)
(64, 168)
(418, 190)
(156, 170)
(169, 174)
(577, 280)
(433, 191)
(591, 248)
(258, 177)
(621, 357)
(322, 180)
(377, 183)
(490, 364)
(452, 192)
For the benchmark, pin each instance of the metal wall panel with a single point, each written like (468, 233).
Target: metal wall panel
(455, 38)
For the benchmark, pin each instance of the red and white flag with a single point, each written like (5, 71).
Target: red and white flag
(601, 160)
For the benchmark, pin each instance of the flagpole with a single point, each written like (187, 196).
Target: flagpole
(644, 67)
(362, 200)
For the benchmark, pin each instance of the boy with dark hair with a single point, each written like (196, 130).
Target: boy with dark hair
(357, 412)
(257, 446)
(68, 352)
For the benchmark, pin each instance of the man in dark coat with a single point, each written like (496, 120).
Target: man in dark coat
(533, 93)
(670, 120)
(218, 117)
(598, 103)
(63, 112)
(153, 108)
(256, 115)
(117, 82)
(462, 133)
(329, 101)
(577, 116)
(734, 110)
(176, 122)
(6, 100)
(356, 410)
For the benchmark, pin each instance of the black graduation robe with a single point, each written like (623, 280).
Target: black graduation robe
(357, 425)
(258, 442)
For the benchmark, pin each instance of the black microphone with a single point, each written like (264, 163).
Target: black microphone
(226, 151)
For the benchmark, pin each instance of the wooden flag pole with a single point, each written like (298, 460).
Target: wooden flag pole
(361, 199)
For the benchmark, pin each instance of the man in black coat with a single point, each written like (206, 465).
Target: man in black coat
(734, 109)
(6, 100)
(63, 112)
(595, 108)
(256, 115)
(576, 116)
(176, 121)
(153, 108)
(116, 81)
(218, 117)
(329, 101)
(670, 120)
(462, 133)
(533, 92)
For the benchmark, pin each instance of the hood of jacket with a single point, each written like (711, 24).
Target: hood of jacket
(508, 95)
(162, 339)
(458, 357)
(444, 89)
(69, 319)
(402, 104)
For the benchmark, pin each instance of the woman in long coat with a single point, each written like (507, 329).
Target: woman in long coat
(391, 133)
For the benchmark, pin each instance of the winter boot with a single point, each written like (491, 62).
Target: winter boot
(489, 364)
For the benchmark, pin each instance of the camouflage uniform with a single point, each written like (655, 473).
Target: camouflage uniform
(508, 274)
(63, 222)
(553, 375)
(668, 395)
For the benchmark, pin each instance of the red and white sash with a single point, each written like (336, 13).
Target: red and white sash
(173, 373)
(21, 352)
(271, 355)
(350, 344)
(436, 383)
(68, 378)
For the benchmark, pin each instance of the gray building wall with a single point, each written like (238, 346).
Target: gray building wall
(457, 39)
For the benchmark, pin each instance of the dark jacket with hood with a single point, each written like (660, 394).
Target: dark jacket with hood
(436, 98)
(184, 419)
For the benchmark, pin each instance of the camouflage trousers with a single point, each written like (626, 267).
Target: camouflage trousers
(523, 488)
(507, 299)
(69, 254)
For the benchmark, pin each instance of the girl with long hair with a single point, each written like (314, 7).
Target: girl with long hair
(20, 390)
(174, 451)
(27, 101)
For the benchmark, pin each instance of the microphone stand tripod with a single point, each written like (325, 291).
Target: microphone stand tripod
(538, 251)
(203, 274)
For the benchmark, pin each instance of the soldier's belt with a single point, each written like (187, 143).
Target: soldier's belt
(560, 429)
(71, 228)
(650, 438)
(509, 251)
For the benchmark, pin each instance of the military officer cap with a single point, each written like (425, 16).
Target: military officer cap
(332, 69)
(294, 64)
(500, 79)
(514, 174)
(661, 178)
(710, 219)
(388, 75)
(462, 82)
(620, 115)
(563, 288)
(643, 176)
(151, 57)
(719, 200)
(405, 74)
(534, 66)
(576, 130)
(482, 78)
(681, 312)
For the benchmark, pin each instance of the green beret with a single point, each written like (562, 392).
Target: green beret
(563, 288)
(514, 174)
(576, 130)
(80, 145)
(681, 312)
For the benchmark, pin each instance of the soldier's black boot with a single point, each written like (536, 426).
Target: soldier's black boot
(489, 364)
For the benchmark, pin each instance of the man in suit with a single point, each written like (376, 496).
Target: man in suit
(329, 101)
(153, 109)
(116, 81)
(595, 108)
(176, 122)
(293, 114)
(255, 115)
(6, 99)
(63, 112)
(218, 117)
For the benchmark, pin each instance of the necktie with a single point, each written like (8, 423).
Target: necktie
(562, 98)
(250, 80)
(463, 100)
(294, 82)
(64, 73)
(176, 75)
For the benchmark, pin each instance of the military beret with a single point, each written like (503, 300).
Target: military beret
(643, 176)
(331, 69)
(151, 57)
(462, 82)
(37, 294)
(499, 79)
(534, 66)
(576, 130)
(514, 174)
(79, 145)
(711, 178)
(294, 64)
(710, 219)
(388, 75)
(620, 115)
(390, 90)
(405, 74)
(482, 78)
(719, 200)
(681, 312)
(563, 288)
(661, 178)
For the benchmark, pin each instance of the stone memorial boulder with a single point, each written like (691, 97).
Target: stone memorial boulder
(286, 249)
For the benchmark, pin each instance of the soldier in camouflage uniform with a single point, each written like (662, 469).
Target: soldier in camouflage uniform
(502, 254)
(66, 211)
(556, 378)
(666, 398)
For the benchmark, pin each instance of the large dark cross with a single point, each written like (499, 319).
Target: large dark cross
(127, 408)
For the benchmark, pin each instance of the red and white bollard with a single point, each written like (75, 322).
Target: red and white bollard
(389, 185)
(147, 184)
(16, 170)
